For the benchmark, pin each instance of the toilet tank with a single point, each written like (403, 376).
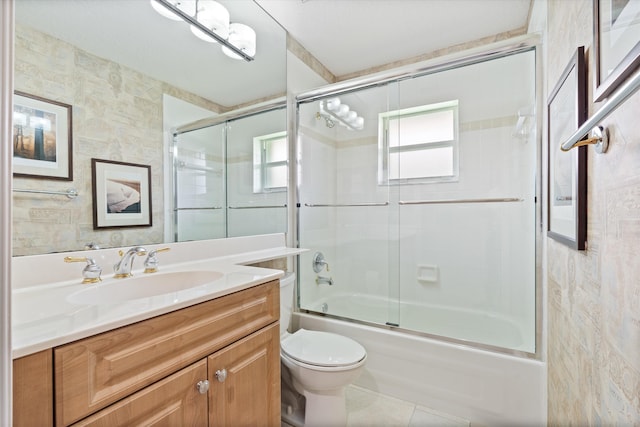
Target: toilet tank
(287, 285)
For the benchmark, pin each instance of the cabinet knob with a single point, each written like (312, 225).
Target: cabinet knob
(202, 386)
(221, 375)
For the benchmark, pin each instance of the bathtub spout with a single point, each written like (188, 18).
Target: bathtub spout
(321, 279)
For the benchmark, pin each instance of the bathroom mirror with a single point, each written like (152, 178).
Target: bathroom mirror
(129, 75)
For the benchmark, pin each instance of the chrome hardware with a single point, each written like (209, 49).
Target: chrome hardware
(221, 375)
(71, 193)
(202, 386)
(91, 272)
(123, 267)
(151, 263)
(324, 307)
(598, 137)
(319, 262)
(321, 279)
(91, 246)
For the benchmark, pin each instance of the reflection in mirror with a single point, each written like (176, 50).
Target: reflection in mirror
(231, 177)
(199, 187)
(116, 64)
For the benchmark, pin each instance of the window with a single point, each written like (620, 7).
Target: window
(270, 153)
(419, 144)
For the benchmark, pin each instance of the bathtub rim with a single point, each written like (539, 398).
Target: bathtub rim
(439, 338)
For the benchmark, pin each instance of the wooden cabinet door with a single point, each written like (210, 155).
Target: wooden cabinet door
(33, 390)
(174, 401)
(246, 389)
(95, 372)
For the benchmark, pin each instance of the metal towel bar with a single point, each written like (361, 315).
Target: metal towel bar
(210, 208)
(449, 201)
(71, 193)
(311, 205)
(258, 207)
(614, 101)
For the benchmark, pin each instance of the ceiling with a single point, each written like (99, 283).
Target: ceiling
(348, 36)
(131, 33)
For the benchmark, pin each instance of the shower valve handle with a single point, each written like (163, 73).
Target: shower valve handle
(319, 262)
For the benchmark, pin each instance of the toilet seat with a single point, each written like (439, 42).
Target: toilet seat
(322, 349)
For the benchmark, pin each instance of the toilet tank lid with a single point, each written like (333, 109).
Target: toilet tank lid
(322, 348)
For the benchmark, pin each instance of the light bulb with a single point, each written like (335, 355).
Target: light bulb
(343, 110)
(358, 123)
(351, 116)
(215, 17)
(333, 104)
(243, 37)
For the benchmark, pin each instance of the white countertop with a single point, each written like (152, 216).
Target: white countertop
(47, 315)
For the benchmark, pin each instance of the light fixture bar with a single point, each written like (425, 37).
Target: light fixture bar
(204, 29)
(332, 115)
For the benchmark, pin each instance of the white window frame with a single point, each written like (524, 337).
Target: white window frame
(384, 150)
(261, 165)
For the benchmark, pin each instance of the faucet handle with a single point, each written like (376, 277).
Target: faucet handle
(151, 263)
(318, 262)
(91, 272)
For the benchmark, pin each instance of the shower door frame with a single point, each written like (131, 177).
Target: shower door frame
(207, 123)
(485, 53)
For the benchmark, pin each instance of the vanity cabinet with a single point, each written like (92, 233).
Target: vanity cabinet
(153, 372)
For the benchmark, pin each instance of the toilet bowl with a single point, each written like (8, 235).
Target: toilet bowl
(319, 366)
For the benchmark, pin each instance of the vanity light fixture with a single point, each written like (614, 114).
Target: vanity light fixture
(334, 111)
(209, 21)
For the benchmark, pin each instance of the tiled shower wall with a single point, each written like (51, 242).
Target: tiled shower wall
(593, 297)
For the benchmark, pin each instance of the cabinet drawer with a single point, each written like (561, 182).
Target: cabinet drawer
(174, 401)
(97, 371)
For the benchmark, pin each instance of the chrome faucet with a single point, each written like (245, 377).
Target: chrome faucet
(123, 267)
(322, 279)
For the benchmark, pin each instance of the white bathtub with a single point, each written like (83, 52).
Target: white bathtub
(481, 386)
(452, 322)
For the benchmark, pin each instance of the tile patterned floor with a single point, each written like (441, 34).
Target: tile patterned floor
(366, 408)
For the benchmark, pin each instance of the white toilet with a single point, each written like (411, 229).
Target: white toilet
(316, 365)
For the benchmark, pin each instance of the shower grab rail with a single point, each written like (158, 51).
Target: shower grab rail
(311, 205)
(210, 208)
(71, 193)
(450, 201)
(258, 207)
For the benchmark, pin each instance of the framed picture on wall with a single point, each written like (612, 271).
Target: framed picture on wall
(121, 194)
(567, 192)
(616, 43)
(42, 135)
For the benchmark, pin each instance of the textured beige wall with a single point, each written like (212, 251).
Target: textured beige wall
(117, 115)
(594, 296)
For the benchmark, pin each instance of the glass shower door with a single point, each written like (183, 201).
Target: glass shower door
(345, 215)
(426, 214)
(466, 178)
(257, 174)
(199, 184)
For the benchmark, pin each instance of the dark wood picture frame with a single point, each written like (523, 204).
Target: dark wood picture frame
(567, 189)
(42, 138)
(121, 194)
(606, 15)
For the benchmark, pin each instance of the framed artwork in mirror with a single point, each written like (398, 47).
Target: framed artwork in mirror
(42, 138)
(616, 43)
(567, 192)
(121, 194)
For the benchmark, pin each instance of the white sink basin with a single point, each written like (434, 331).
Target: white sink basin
(149, 285)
